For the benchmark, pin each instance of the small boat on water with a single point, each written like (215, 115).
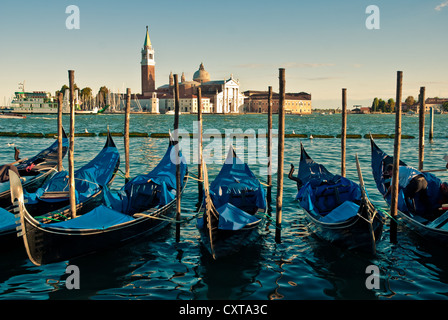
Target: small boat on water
(233, 209)
(144, 205)
(90, 179)
(50, 199)
(8, 115)
(422, 221)
(171, 112)
(338, 209)
(35, 170)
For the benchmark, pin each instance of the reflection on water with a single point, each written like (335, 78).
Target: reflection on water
(300, 267)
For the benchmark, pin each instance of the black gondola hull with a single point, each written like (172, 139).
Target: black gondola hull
(353, 234)
(420, 227)
(48, 245)
(228, 242)
(439, 236)
(30, 186)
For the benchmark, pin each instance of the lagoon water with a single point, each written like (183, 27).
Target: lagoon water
(300, 267)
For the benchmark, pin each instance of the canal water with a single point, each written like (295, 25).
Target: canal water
(300, 267)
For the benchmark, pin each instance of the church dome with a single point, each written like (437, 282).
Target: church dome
(201, 75)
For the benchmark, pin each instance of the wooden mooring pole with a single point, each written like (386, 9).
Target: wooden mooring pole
(269, 191)
(71, 151)
(60, 104)
(395, 174)
(421, 129)
(176, 148)
(281, 144)
(344, 130)
(200, 175)
(431, 128)
(126, 134)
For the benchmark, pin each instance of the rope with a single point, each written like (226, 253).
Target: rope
(188, 176)
(172, 220)
(120, 175)
(387, 214)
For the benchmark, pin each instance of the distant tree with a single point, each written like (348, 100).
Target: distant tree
(445, 106)
(102, 95)
(382, 105)
(375, 105)
(410, 101)
(86, 95)
(391, 104)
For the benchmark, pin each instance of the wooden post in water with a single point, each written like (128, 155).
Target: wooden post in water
(126, 134)
(397, 144)
(200, 175)
(269, 191)
(281, 144)
(176, 148)
(344, 130)
(71, 150)
(421, 129)
(431, 128)
(60, 104)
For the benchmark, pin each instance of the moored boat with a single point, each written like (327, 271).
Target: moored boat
(337, 208)
(4, 115)
(90, 179)
(428, 222)
(144, 205)
(233, 209)
(35, 170)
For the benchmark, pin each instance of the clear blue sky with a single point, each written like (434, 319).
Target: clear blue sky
(323, 45)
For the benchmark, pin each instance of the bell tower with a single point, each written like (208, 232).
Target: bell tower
(148, 67)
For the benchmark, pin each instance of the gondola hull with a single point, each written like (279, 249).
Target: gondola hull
(336, 208)
(353, 234)
(144, 205)
(47, 245)
(30, 186)
(44, 167)
(437, 235)
(228, 242)
(234, 206)
(422, 227)
(8, 236)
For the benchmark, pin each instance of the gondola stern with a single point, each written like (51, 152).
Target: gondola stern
(110, 141)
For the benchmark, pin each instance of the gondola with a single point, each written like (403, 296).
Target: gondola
(233, 209)
(337, 208)
(35, 170)
(435, 230)
(89, 181)
(144, 205)
(50, 201)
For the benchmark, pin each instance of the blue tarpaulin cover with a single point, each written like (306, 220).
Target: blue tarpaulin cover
(345, 211)
(7, 220)
(154, 189)
(88, 179)
(329, 197)
(237, 184)
(99, 218)
(232, 218)
(321, 199)
(157, 188)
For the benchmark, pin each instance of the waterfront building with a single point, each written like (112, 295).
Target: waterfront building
(187, 104)
(435, 103)
(295, 103)
(221, 96)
